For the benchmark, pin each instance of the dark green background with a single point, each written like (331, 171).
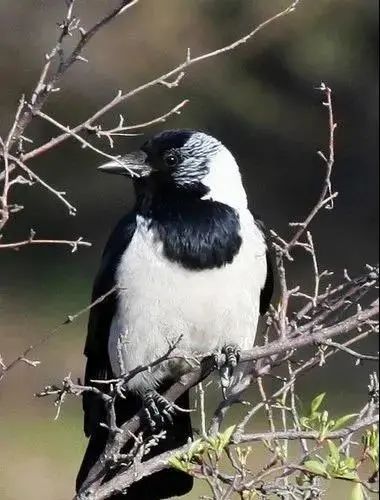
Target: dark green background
(260, 101)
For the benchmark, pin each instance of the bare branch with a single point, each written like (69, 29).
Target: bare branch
(178, 70)
(68, 320)
(351, 352)
(326, 197)
(74, 244)
(123, 130)
(295, 435)
(346, 310)
(59, 194)
(46, 83)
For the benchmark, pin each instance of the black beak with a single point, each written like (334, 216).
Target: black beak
(131, 165)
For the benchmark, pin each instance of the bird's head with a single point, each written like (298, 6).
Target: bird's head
(184, 160)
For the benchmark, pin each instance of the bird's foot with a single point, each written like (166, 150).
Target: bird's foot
(158, 410)
(232, 355)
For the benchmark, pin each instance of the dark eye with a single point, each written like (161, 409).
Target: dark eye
(171, 160)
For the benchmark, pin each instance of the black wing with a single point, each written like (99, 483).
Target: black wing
(96, 348)
(267, 290)
(166, 483)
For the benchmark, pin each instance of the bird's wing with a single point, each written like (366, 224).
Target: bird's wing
(96, 349)
(165, 483)
(267, 290)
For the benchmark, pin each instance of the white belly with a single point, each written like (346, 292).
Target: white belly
(160, 300)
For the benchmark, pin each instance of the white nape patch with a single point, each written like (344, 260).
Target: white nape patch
(160, 300)
(224, 180)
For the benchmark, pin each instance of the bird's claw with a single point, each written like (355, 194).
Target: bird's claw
(232, 355)
(158, 410)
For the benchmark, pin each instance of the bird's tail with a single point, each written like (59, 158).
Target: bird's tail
(163, 484)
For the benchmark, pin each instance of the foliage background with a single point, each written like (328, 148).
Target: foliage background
(259, 101)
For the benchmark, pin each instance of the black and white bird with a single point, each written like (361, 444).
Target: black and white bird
(189, 261)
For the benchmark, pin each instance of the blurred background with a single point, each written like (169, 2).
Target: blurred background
(259, 100)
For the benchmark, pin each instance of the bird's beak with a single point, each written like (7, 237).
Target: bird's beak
(132, 165)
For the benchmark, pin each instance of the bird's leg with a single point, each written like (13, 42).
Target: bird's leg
(157, 409)
(232, 354)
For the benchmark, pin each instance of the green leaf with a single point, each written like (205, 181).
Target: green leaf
(374, 441)
(371, 445)
(316, 403)
(225, 437)
(357, 492)
(334, 451)
(350, 462)
(249, 495)
(325, 417)
(194, 453)
(213, 442)
(197, 447)
(302, 479)
(342, 421)
(305, 422)
(349, 475)
(323, 433)
(178, 464)
(315, 467)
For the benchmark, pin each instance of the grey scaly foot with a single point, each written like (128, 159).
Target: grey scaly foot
(232, 354)
(158, 410)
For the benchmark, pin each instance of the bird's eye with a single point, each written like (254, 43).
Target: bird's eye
(171, 160)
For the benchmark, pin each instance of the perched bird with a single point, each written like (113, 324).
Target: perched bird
(189, 262)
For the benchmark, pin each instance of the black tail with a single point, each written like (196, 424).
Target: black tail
(164, 484)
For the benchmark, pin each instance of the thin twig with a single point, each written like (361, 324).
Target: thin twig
(326, 196)
(165, 77)
(43, 340)
(47, 84)
(74, 244)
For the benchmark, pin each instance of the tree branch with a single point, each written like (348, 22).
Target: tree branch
(178, 70)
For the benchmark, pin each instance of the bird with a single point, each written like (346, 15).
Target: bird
(189, 262)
